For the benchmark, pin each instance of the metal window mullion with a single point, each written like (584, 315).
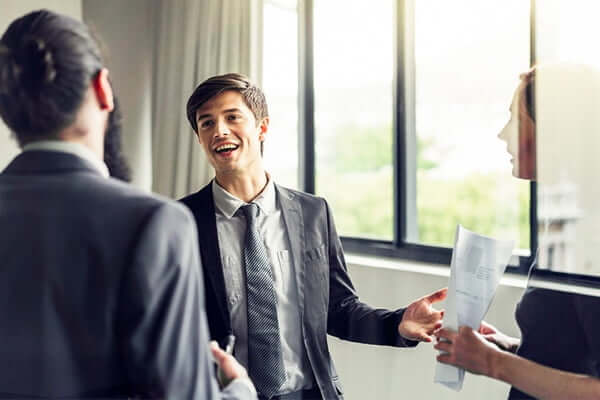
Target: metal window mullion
(306, 97)
(533, 220)
(405, 148)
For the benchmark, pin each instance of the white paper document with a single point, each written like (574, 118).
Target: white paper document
(477, 265)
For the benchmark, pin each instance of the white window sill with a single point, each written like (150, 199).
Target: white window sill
(509, 279)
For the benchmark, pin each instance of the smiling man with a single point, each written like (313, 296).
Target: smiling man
(275, 271)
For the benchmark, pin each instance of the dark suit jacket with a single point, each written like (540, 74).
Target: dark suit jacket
(101, 290)
(328, 301)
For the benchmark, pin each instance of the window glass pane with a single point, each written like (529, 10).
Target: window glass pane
(567, 31)
(567, 100)
(353, 67)
(280, 84)
(467, 68)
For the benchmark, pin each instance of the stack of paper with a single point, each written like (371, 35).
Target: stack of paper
(478, 263)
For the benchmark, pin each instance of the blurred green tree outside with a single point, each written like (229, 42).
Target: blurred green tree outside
(357, 180)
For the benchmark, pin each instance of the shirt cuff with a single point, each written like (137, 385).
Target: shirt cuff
(408, 342)
(244, 382)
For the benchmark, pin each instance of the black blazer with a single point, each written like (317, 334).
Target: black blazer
(328, 302)
(101, 294)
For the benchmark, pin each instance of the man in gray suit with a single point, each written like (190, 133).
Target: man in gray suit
(276, 275)
(101, 292)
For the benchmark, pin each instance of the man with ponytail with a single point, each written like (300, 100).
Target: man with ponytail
(101, 287)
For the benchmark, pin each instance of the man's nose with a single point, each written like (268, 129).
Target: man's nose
(221, 128)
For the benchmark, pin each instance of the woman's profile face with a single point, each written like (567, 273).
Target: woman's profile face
(519, 135)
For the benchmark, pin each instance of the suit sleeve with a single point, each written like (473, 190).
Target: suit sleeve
(162, 323)
(348, 317)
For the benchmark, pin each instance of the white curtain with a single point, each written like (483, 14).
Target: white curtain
(196, 40)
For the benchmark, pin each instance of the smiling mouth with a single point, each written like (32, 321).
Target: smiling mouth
(226, 148)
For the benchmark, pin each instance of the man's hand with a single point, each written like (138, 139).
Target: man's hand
(420, 319)
(492, 334)
(467, 349)
(228, 365)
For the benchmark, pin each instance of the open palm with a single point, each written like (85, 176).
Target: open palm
(420, 319)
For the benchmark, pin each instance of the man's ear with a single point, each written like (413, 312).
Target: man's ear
(264, 128)
(103, 90)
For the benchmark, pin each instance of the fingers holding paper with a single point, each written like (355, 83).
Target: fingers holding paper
(466, 349)
(492, 334)
(421, 319)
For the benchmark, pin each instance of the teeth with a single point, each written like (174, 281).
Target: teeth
(226, 147)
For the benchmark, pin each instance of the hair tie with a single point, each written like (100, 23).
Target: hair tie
(38, 60)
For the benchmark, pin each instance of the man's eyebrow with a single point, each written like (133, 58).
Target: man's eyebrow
(202, 116)
(199, 117)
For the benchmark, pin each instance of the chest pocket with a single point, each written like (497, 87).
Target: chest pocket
(281, 263)
(315, 254)
(317, 262)
(317, 282)
(316, 258)
(235, 283)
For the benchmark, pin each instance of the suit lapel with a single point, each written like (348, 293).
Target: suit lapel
(294, 223)
(209, 250)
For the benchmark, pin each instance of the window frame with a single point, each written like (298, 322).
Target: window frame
(404, 140)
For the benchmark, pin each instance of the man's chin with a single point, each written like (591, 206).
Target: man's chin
(221, 164)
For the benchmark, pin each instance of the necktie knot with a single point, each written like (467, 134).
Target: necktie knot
(250, 212)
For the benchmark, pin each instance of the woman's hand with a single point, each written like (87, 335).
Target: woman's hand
(467, 349)
(492, 334)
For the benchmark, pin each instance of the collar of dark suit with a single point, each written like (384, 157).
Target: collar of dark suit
(48, 162)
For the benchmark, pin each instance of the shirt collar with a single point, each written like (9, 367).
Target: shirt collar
(228, 204)
(71, 148)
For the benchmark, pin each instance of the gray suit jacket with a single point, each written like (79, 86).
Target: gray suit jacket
(328, 302)
(101, 290)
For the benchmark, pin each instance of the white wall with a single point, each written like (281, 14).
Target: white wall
(10, 10)
(384, 373)
(127, 29)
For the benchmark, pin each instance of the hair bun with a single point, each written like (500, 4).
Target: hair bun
(29, 67)
(37, 61)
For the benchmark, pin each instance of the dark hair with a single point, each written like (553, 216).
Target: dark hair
(47, 61)
(528, 92)
(253, 96)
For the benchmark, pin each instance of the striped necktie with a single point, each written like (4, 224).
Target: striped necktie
(265, 360)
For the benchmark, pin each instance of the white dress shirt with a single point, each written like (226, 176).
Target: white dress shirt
(231, 228)
(71, 148)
